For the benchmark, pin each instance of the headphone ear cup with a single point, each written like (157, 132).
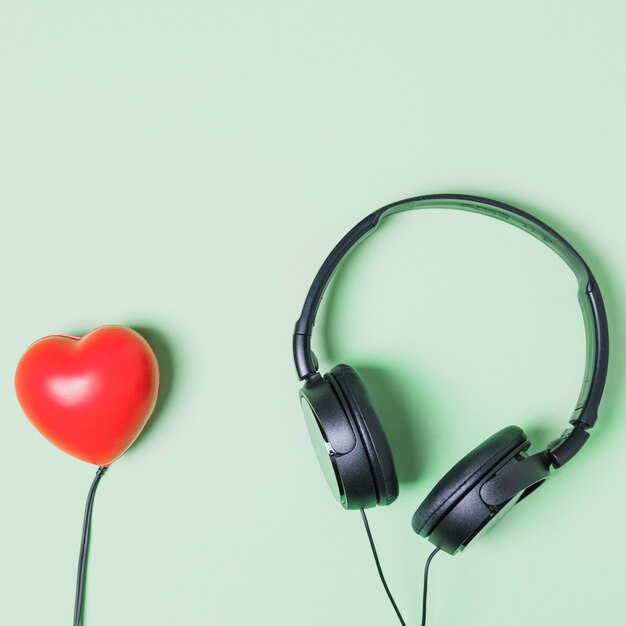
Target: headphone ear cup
(338, 447)
(352, 391)
(452, 513)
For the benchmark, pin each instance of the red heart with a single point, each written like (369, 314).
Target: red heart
(91, 396)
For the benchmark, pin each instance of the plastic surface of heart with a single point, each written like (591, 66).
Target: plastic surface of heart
(89, 396)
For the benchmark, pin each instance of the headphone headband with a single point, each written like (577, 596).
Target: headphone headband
(596, 328)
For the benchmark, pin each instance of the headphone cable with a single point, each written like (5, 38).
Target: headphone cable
(425, 590)
(380, 569)
(382, 576)
(84, 547)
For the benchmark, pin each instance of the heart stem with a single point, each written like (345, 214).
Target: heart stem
(84, 546)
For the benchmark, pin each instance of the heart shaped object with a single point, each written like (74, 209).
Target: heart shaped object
(90, 396)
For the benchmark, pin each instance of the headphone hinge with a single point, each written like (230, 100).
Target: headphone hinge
(562, 450)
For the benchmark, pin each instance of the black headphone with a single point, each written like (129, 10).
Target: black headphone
(350, 443)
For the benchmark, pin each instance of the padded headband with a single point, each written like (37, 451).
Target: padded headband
(589, 296)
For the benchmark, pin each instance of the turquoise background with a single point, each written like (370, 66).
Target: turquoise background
(184, 168)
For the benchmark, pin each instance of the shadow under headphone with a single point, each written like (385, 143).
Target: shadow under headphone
(349, 440)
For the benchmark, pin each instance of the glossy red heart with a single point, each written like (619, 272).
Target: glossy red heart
(90, 396)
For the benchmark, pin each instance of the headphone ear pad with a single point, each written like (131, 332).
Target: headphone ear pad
(469, 472)
(352, 389)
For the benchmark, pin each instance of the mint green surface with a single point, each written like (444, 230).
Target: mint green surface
(184, 168)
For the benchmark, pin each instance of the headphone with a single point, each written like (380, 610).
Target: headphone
(349, 440)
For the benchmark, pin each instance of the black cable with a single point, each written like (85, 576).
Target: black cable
(425, 591)
(380, 569)
(382, 576)
(84, 547)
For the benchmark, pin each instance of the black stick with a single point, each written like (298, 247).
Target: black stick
(84, 547)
